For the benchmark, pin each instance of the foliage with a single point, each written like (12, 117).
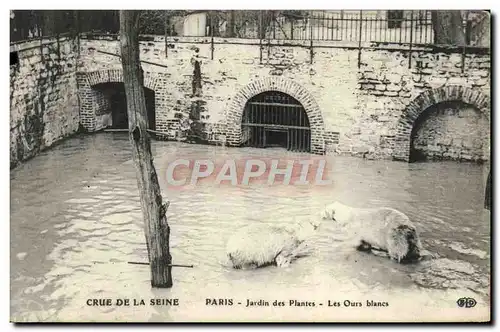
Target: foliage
(152, 22)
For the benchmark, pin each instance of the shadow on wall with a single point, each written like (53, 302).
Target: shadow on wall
(111, 98)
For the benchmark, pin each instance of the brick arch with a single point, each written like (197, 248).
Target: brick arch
(430, 98)
(116, 75)
(90, 117)
(237, 105)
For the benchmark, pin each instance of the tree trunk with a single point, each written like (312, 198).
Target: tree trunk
(156, 227)
(265, 20)
(214, 24)
(448, 27)
(230, 25)
(49, 23)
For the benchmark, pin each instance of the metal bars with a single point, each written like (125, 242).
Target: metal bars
(275, 119)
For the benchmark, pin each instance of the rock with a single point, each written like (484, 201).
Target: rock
(393, 87)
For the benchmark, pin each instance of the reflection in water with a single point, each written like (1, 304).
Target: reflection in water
(76, 222)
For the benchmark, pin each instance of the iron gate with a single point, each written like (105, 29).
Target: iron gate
(275, 119)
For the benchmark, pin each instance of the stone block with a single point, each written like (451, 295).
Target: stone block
(393, 87)
(367, 86)
(393, 78)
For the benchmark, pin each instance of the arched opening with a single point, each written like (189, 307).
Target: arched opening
(111, 98)
(276, 119)
(427, 101)
(450, 130)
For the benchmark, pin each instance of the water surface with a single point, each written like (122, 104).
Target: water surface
(76, 222)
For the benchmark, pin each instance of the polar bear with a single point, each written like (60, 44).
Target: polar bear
(261, 244)
(383, 229)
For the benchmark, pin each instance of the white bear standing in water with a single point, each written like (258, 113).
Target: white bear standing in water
(259, 245)
(384, 229)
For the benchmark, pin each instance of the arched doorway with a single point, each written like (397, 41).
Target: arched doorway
(424, 104)
(276, 119)
(450, 130)
(237, 105)
(113, 100)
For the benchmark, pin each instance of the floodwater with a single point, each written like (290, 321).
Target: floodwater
(76, 223)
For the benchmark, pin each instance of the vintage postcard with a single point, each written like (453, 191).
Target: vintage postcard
(250, 166)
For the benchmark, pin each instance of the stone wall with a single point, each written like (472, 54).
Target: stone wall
(361, 103)
(389, 88)
(44, 104)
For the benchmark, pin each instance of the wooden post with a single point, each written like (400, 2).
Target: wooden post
(360, 36)
(411, 39)
(212, 26)
(154, 211)
(167, 28)
(260, 35)
(76, 15)
(466, 43)
(311, 51)
(273, 17)
(231, 33)
(41, 32)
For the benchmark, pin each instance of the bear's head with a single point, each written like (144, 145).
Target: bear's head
(305, 228)
(336, 212)
(328, 212)
(313, 223)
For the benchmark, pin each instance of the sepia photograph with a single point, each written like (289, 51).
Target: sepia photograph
(250, 166)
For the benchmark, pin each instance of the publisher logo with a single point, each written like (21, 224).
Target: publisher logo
(466, 302)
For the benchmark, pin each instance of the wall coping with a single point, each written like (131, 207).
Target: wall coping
(416, 47)
(33, 43)
(37, 43)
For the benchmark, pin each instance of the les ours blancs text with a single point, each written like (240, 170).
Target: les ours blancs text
(231, 302)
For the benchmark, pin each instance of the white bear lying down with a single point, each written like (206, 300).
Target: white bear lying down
(384, 229)
(259, 245)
